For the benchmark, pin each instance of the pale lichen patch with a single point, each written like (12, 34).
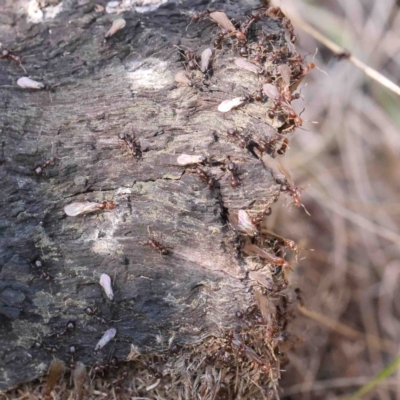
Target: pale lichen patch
(154, 74)
(140, 6)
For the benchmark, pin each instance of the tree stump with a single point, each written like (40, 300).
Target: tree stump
(184, 311)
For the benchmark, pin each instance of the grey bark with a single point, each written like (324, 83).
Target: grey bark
(99, 90)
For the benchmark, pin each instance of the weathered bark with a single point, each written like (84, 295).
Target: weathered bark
(99, 90)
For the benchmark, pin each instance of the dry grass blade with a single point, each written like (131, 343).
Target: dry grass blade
(56, 370)
(80, 377)
(356, 218)
(345, 330)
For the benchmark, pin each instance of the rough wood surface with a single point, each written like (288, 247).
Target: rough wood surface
(99, 90)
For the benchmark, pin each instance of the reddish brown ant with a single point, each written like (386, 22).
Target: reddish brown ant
(37, 345)
(268, 143)
(198, 16)
(132, 145)
(294, 191)
(275, 12)
(246, 24)
(232, 168)
(9, 55)
(259, 95)
(220, 38)
(244, 51)
(305, 70)
(69, 327)
(261, 216)
(251, 249)
(156, 245)
(72, 362)
(92, 311)
(286, 23)
(294, 120)
(243, 140)
(344, 55)
(207, 178)
(258, 58)
(39, 169)
(283, 147)
(38, 264)
(119, 380)
(51, 349)
(282, 241)
(190, 58)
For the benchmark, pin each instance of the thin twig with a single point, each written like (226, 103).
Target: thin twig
(354, 217)
(317, 35)
(347, 331)
(326, 384)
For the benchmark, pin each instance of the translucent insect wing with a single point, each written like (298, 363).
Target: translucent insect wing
(271, 91)
(75, 209)
(245, 225)
(105, 282)
(107, 336)
(205, 59)
(221, 19)
(247, 65)
(228, 105)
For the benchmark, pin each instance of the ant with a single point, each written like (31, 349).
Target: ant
(287, 24)
(98, 368)
(232, 168)
(275, 12)
(132, 145)
(244, 51)
(305, 70)
(282, 150)
(107, 205)
(190, 58)
(243, 140)
(299, 297)
(72, 352)
(92, 312)
(267, 144)
(210, 180)
(8, 54)
(198, 16)
(261, 216)
(51, 349)
(155, 244)
(69, 327)
(259, 95)
(293, 122)
(294, 191)
(281, 241)
(38, 264)
(220, 38)
(119, 380)
(246, 24)
(39, 169)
